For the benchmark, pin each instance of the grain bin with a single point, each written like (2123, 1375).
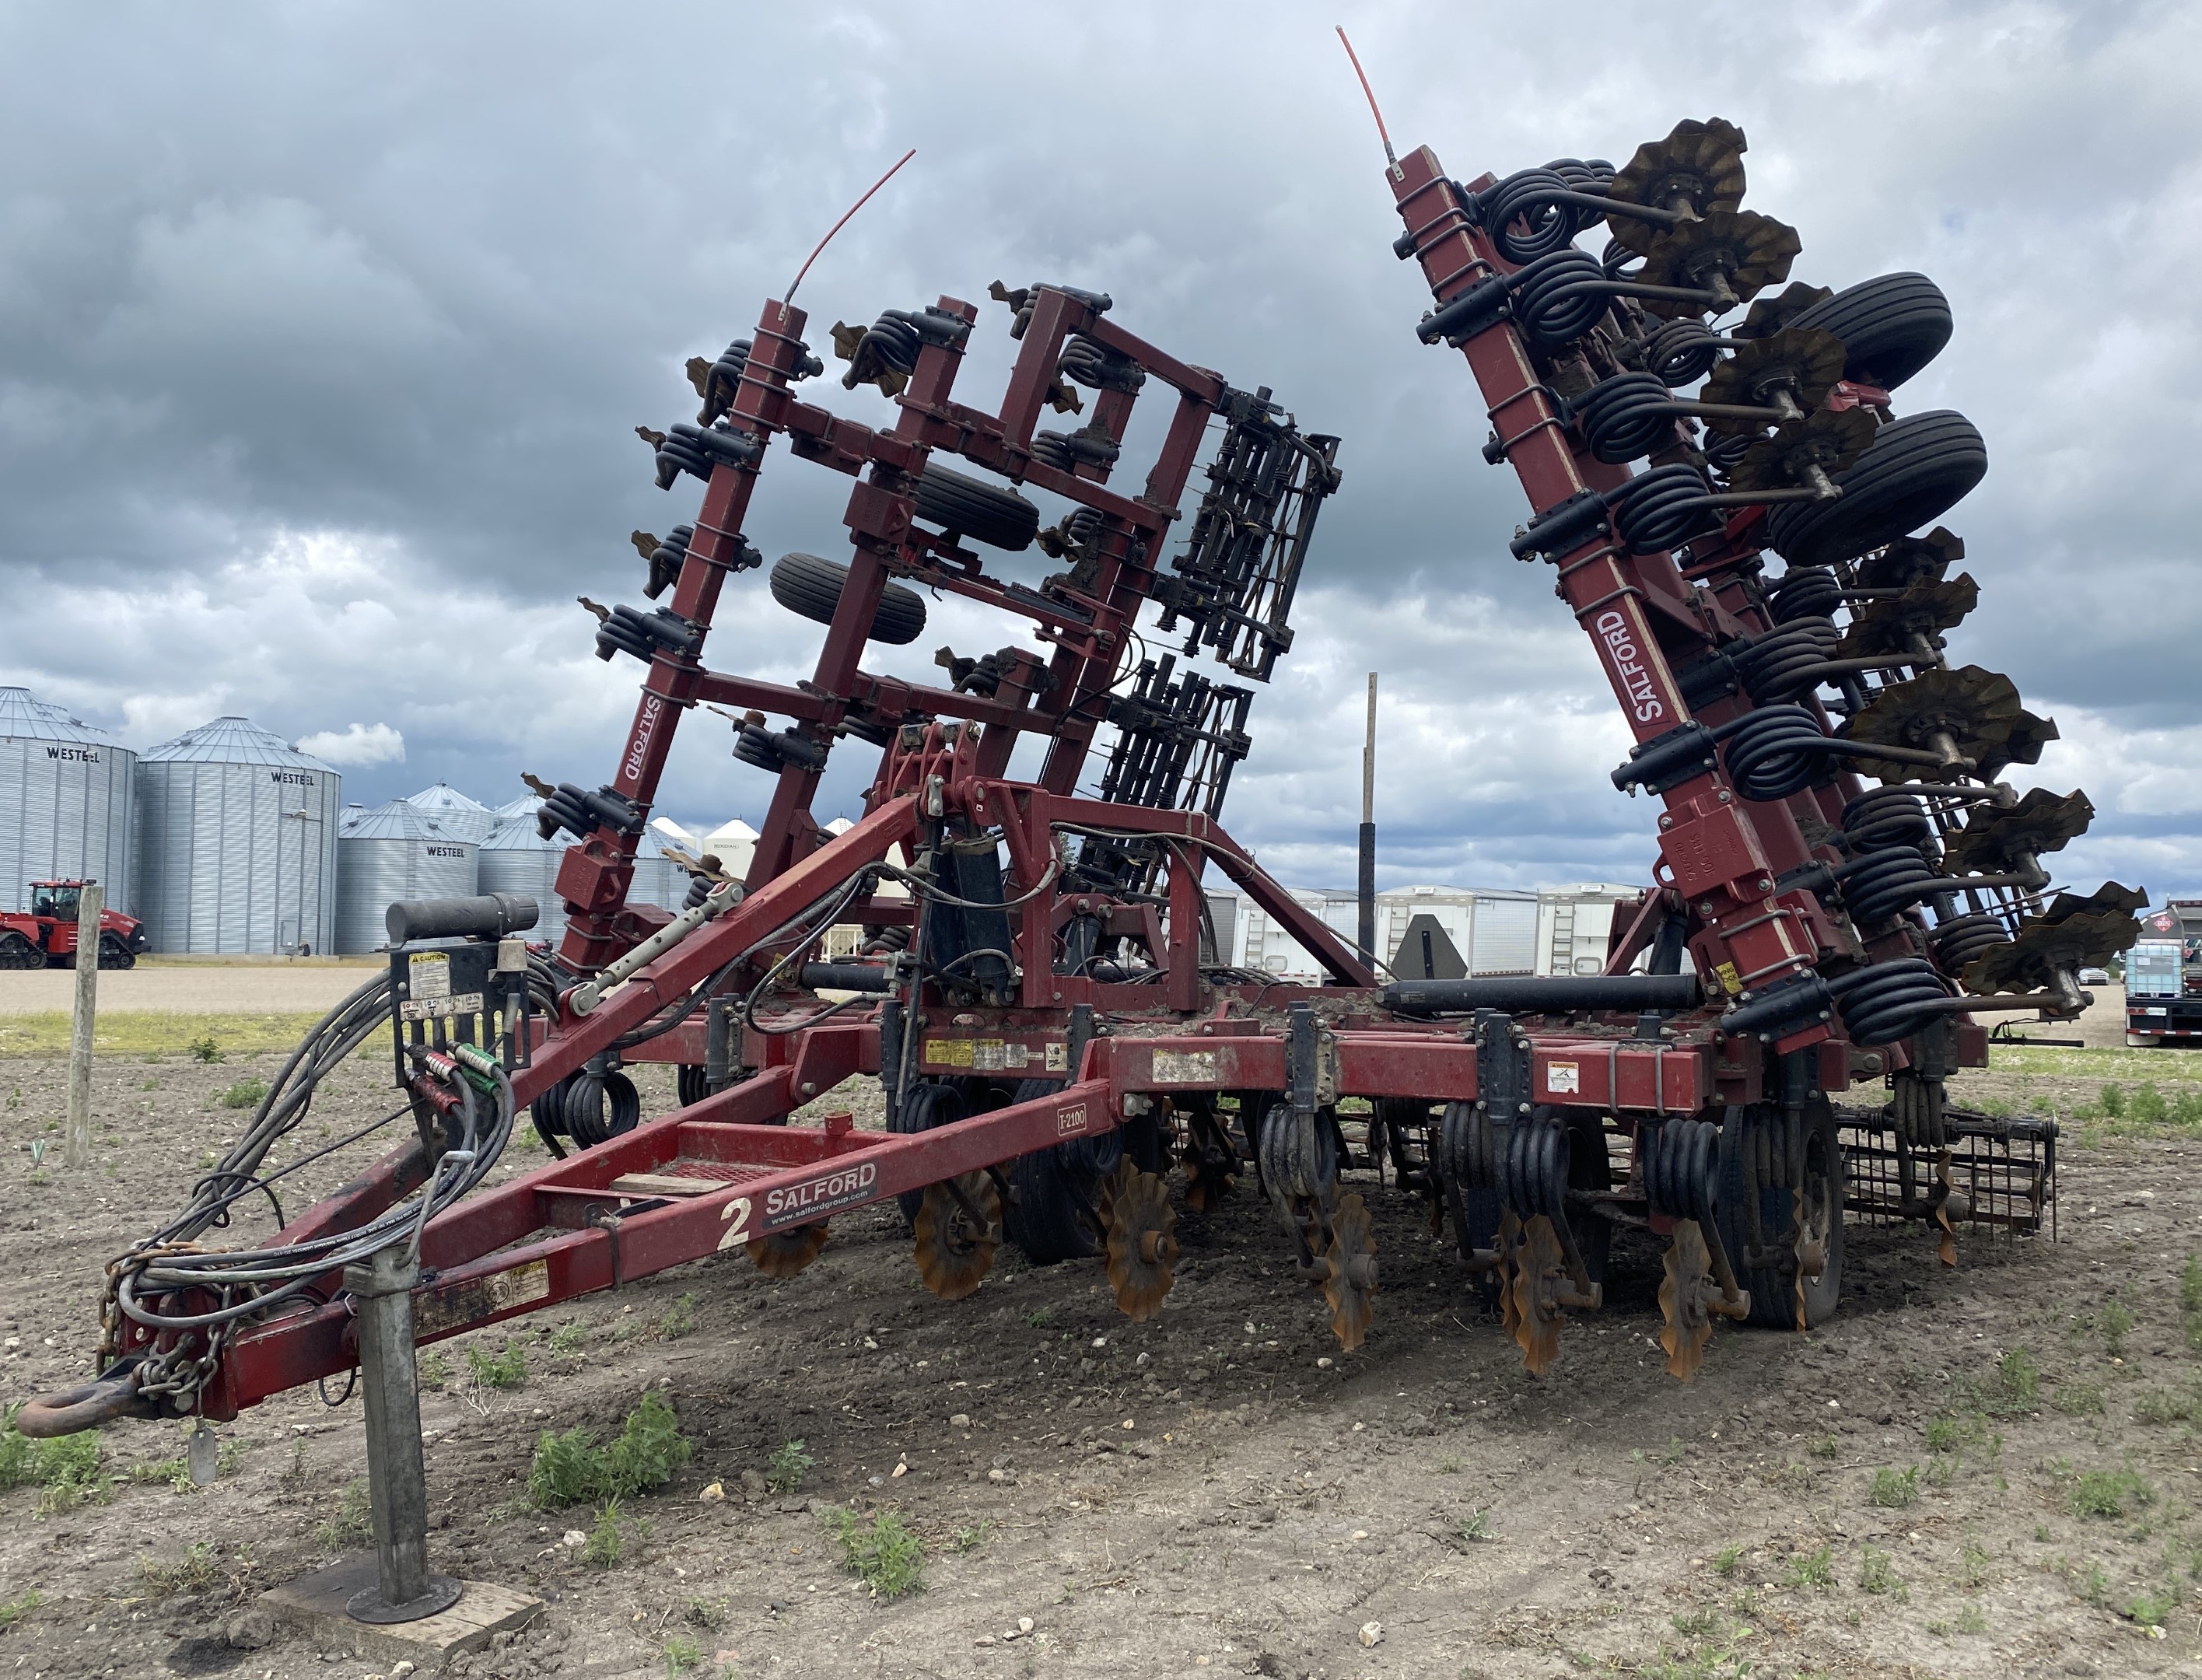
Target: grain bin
(514, 858)
(237, 843)
(66, 796)
(395, 852)
(468, 819)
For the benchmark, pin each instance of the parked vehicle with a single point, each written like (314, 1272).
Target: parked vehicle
(2164, 977)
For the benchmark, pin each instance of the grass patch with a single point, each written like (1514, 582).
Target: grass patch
(2162, 1405)
(1815, 1569)
(1728, 1560)
(505, 1369)
(65, 1470)
(969, 1540)
(1893, 1489)
(15, 1609)
(196, 1571)
(245, 1094)
(572, 1469)
(678, 1319)
(433, 1369)
(204, 1038)
(568, 1338)
(785, 1470)
(1877, 1575)
(885, 1553)
(1475, 1527)
(351, 1525)
(1824, 1446)
(2079, 1400)
(682, 1654)
(2150, 1608)
(2107, 1493)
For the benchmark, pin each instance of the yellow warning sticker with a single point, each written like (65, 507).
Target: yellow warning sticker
(948, 1052)
(1730, 980)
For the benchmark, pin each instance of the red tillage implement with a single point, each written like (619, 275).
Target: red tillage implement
(1054, 1033)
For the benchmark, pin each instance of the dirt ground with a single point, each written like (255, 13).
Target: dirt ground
(1219, 1490)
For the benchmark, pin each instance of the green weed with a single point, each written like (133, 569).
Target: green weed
(2079, 1400)
(966, 1541)
(1728, 1560)
(245, 1094)
(2152, 1609)
(2190, 1285)
(1972, 1619)
(604, 1547)
(785, 1470)
(1040, 1319)
(705, 1612)
(2115, 1321)
(1877, 1574)
(570, 1469)
(885, 1553)
(64, 1471)
(678, 1319)
(15, 1609)
(568, 1338)
(2106, 1493)
(1475, 1526)
(433, 1369)
(352, 1523)
(682, 1654)
(1815, 1569)
(196, 1571)
(205, 1048)
(1824, 1446)
(505, 1369)
(1973, 1561)
(1893, 1489)
(2162, 1405)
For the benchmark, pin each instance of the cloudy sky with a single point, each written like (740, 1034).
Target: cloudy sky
(323, 331)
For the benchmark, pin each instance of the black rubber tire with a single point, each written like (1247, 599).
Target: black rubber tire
(972, 508)
(1891, 325)
(809, 587)
(1772, 1304)
(115, 954)
(1044, 1216)
(924, 1107)
(18, 953)
(1919, 468)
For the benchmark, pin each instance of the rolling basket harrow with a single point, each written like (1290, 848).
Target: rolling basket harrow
(1843, 886)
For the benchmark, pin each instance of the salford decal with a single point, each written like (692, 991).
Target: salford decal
(645, 726)
(799, 1203)
(1612, 628)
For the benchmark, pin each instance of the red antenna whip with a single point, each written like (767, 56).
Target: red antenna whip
(1382, 132)
(844, 222)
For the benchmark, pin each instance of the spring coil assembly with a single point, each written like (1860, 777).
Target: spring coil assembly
(1781, 665)
(890, 344)
(723, 380)
(1890, 1001)
(1778, 751)
(1682, 351)
(1963, 941)
(1092, 364)
(1560, 297)
(1533, 1162)
(1628, 415)
(599, 1106)
(1466, 1157)
(1724, 451)
(1680, 1161)
(1888, 881)
(1887, 817)
(1802, 591)
(1525, 223)
(1664, 509)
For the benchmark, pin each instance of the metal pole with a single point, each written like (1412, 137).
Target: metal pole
(397, 1477)
(92, 898)
(1367, 886)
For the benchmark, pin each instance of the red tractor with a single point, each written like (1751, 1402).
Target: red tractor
(45, 936)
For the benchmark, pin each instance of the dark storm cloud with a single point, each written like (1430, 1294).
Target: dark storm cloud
(322, 331)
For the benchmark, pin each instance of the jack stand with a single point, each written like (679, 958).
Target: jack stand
(391, 1606)
(397, 1476)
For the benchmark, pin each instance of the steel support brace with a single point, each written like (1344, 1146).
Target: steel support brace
(397, 1476)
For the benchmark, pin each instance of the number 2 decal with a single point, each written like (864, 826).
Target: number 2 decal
(737, 1222)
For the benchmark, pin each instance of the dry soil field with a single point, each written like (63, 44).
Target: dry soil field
(1992, 1470)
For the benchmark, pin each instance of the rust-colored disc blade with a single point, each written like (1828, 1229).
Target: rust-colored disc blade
(1207, 1181)
(1699, 164)
(1974, 707)
(954, 1251)
(1910, 560)
(784, 1253)
(1509, 1254)
(2023, 745)
(2130, 900)
(1688, 1326)
(1350, 1287)
(2043, 947)
(1888, 625)
(1142, 1246)
(1784, 460)
(1801, 360)
(1123, 1174)
(1538, 1318)
(1768, 315)
(1753, 251)
(1997, 837)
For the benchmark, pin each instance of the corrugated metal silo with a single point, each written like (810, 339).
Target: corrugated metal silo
(237, 843)
(514, 858)
(467, 818)
(395, 852)
(67, 795)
